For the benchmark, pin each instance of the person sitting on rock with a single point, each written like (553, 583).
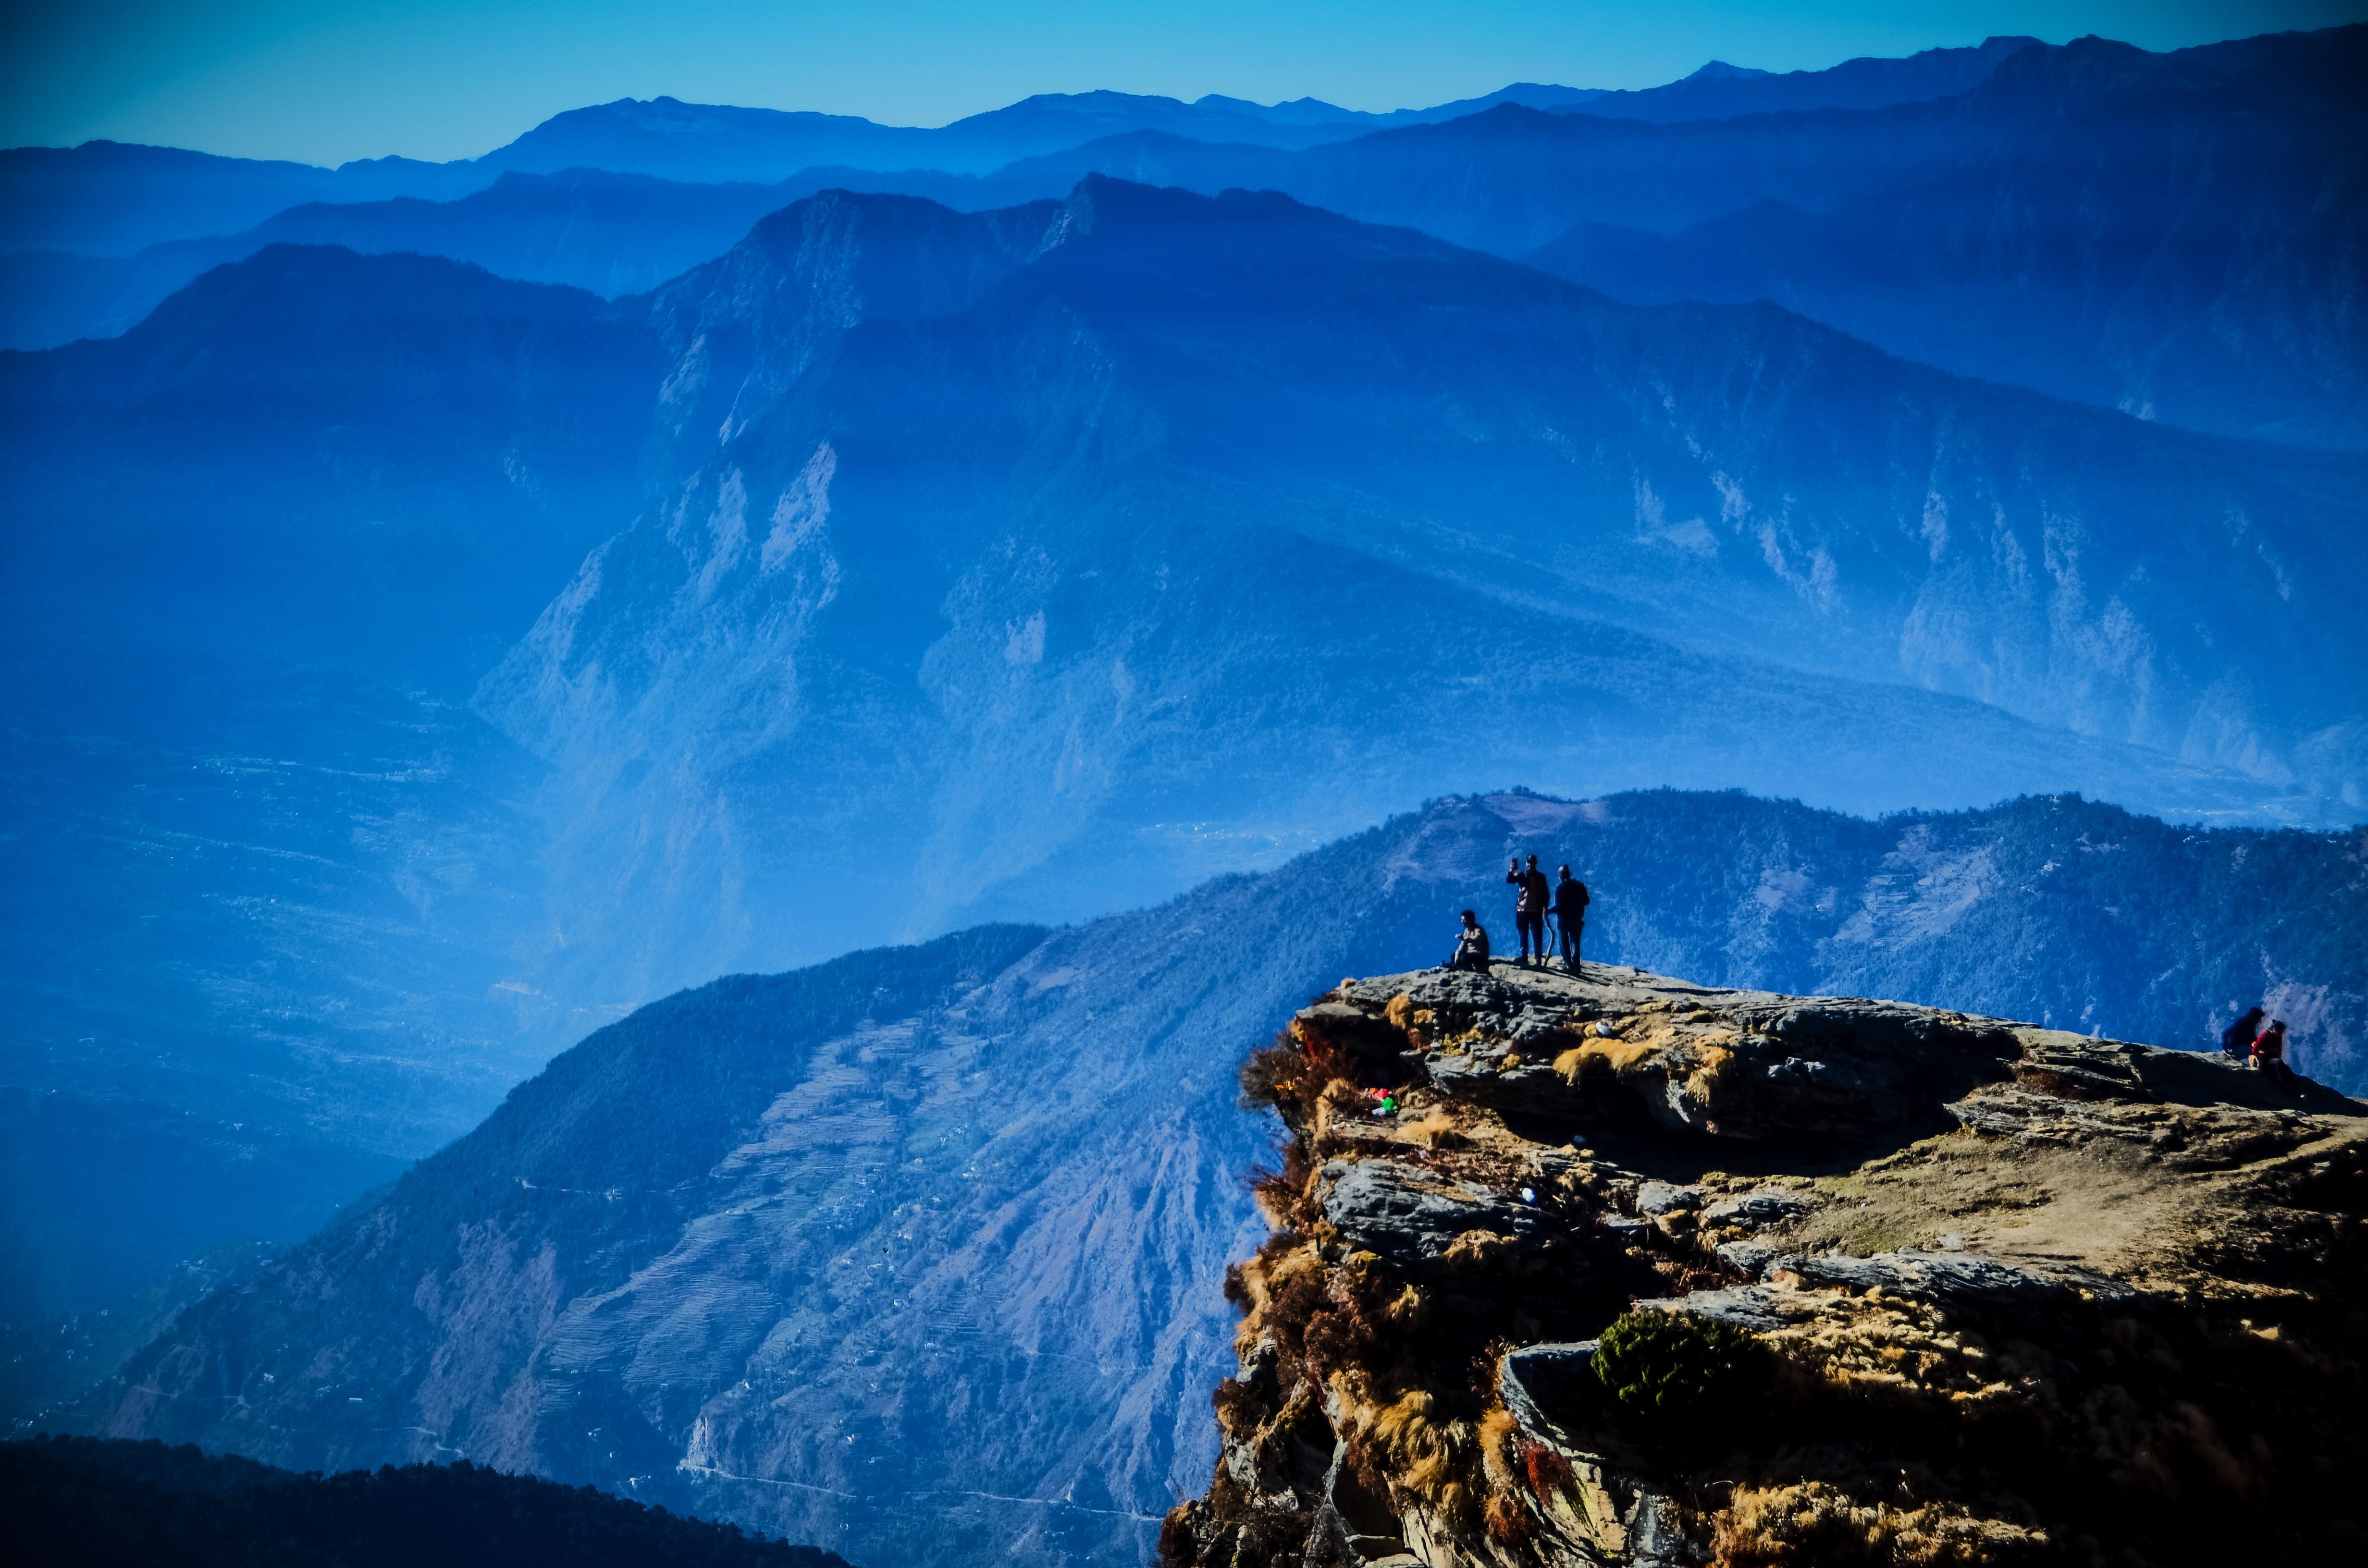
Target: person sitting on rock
(2238, 1037)
(1570, 916)
(1530, 907)
(1471, 945)
(2269, 1055)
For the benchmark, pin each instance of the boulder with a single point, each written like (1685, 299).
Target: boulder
(1415, 1218)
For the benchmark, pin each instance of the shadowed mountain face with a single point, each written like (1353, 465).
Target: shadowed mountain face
(981, 611)
(1021, 564)
(916, 1254)
(382, 462)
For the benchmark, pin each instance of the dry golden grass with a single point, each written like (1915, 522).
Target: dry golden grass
(1605, 1056)
(1811, 1525)
(1432, 1129)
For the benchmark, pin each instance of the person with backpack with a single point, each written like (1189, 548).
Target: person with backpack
(1471, 945)
(2237, 1039)
(1530, 907)
(2269, 1055)
(1570, 916)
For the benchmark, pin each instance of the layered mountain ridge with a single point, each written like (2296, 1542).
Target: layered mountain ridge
(1015, 564)
(107, 199)
(2172, 235)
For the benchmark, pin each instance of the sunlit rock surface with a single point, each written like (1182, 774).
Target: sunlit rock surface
(1629, 1270)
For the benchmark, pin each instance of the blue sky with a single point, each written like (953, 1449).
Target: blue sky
(328, 80)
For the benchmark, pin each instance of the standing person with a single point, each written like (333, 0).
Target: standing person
(1471, 945)
(1530, 907)
(1570, 913)
(2269, 1055)
(2237, 1039)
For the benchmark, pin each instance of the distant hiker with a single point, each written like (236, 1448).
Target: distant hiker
(1471, 945)
(2269, 1055)
(1529, 906)
(2237, 1039)
(1570, 916)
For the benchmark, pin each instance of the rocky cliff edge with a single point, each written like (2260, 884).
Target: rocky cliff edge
(1605, 1269)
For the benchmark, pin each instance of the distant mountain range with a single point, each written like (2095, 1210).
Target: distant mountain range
(108, 198)
(2173, 236)
(916, 1254)
(2167, 235)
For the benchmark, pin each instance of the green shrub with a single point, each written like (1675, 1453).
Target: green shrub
(1674, 1373)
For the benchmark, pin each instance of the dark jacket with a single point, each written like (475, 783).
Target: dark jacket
(1535, 893)
(1570, 900)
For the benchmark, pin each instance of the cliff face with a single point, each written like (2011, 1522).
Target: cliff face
(1628, 1270)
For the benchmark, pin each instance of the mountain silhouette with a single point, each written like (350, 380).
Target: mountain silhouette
(608, 233)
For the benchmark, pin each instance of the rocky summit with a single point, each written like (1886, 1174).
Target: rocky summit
(1604, 1268)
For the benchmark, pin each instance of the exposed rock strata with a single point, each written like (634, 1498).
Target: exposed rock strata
(1997, 1293)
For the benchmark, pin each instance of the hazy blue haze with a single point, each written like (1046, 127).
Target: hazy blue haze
(449, 607)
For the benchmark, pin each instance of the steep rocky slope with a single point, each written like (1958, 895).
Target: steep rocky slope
(1631, 1270)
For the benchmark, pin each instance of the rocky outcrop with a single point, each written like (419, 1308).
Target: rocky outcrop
(1608, 1268)
(1733, 1063)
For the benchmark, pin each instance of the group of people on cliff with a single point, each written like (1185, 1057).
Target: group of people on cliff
(2256, 1039)
(1535, 903)
(2262, 1049)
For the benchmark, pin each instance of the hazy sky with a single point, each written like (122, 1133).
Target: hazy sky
(328, 80)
